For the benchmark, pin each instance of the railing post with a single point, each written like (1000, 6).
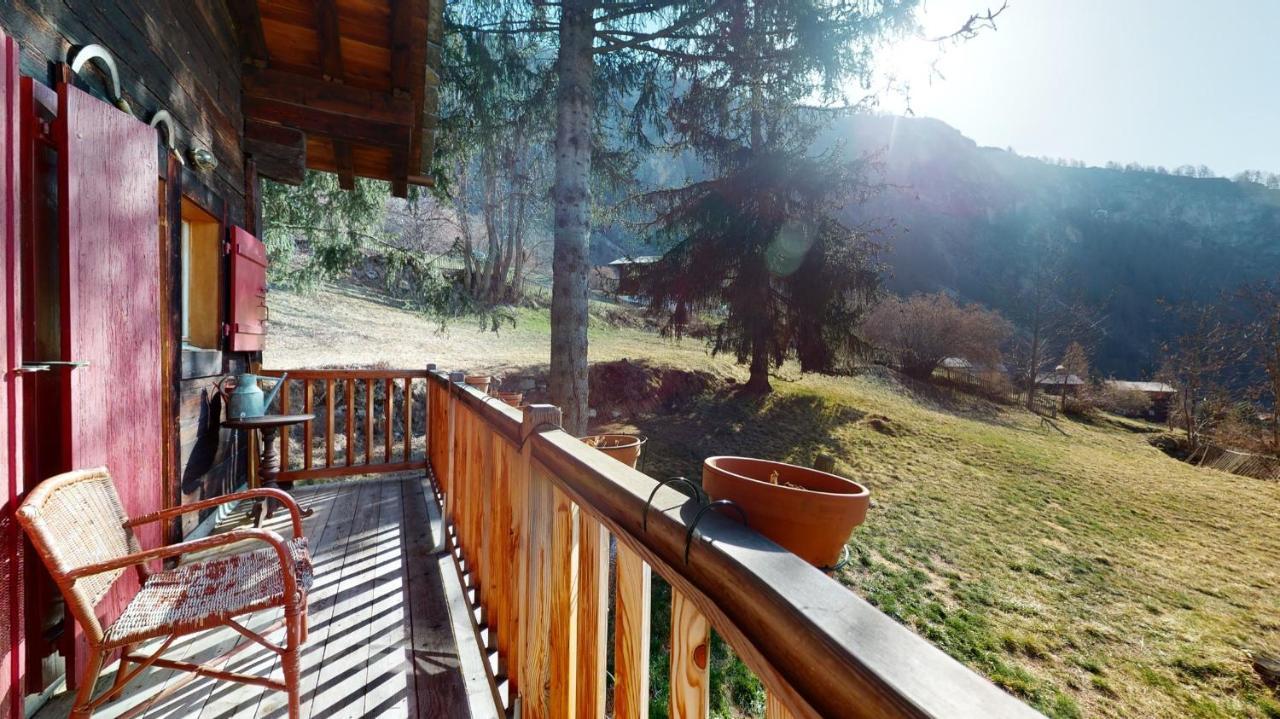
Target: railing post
(593, 614)
(690, 650)
(631, 636)
(773, 707)
(452, 411)
(535, 570)
(308, 405)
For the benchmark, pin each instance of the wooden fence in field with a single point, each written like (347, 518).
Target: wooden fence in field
(529, 513)
(362, 409)
(1258, 466)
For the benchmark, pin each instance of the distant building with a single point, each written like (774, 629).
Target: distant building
(1159, 393)
(622, 276)
(959, 368)
(1059, 382)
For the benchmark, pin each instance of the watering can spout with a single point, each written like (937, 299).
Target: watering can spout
(275, 390)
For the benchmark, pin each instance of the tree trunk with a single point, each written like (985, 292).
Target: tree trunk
(758, 382)
(492, 215)
(1034, 362)
(463, 207)
(572, 197)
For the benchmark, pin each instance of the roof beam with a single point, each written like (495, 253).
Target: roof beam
(326, 12)
(278, 152)
(314, 121)
(331, 97)
(346, 166)
(402, 17)
(427, 55)
(400, 173)
(253, 41)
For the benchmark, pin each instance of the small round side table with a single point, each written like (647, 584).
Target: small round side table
(268, 427)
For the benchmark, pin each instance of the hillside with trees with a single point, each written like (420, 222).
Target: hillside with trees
(980, 222)
(1114, 243)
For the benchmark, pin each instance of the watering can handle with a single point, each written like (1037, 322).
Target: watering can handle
(222, 391)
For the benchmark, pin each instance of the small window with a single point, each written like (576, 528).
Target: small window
(201, 278)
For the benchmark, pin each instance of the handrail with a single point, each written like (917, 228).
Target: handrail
(820, 649)
(317, 374)
(386, 398)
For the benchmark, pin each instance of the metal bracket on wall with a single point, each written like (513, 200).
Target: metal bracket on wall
(82, 56)
(162, 117)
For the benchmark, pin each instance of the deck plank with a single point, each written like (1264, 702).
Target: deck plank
(382, 637)
(386, 687)
(333, 524)
(440, 684)
(339, 690)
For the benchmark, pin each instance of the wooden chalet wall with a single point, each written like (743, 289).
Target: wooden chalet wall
(177, 56)
(180, 56)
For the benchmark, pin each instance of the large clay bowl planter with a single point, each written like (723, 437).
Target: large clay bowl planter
(623, 447)
(809, 512)
(479, 381)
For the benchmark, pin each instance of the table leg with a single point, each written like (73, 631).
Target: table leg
(268, 470)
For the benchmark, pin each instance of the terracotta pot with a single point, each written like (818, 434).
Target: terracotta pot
(809, 512)
(623, 447)
(512, 398)
(479, 381)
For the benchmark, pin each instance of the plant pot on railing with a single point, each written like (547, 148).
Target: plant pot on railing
(623, 447)
(512, 398)
(809, 512)
(479, 381)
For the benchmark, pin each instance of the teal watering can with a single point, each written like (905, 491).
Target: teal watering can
(246, 399)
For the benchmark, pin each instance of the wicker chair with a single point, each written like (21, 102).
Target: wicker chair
(79, 529)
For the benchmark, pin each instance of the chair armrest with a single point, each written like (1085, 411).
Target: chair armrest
(265, 536)
(268, 493)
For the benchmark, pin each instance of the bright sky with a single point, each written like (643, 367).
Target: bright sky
(1158, 82)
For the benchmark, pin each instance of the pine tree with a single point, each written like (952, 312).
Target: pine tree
(759, 244)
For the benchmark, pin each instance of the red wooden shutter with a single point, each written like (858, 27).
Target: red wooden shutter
(11, 574)
(248, 323)
(111, 311)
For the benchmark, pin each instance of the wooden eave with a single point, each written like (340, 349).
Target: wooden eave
(344, 86)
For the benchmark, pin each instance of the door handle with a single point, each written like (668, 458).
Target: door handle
(46, 365)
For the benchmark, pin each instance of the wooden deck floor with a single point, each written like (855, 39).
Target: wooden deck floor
(383, 634)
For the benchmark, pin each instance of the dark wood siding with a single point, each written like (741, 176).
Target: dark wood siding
(179, 56)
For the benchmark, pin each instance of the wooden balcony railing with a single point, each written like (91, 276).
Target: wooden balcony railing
(529, 511)
(365, 408)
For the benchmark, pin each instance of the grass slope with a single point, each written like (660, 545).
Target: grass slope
(339, 327)
(1088, 573)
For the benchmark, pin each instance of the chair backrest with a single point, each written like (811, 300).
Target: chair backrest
(74, 520)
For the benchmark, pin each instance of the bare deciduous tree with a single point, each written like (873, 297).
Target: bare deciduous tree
(1193, 365)
(1259, 335)
(923, 330)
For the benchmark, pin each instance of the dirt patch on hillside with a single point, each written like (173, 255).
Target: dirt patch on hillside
(884, 425)
(624, 389)
(629, 388)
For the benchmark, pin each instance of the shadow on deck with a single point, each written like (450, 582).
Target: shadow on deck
(383, 641)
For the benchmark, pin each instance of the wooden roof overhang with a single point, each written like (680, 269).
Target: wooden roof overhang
(345, 86)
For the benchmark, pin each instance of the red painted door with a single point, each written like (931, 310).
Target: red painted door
(111, 309)
(11, 574)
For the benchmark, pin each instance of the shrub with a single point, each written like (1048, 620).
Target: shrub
(922, 330)
(1126, 402)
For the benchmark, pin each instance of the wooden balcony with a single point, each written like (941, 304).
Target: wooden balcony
(475, 580)
(530, 511)
(382, 639)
